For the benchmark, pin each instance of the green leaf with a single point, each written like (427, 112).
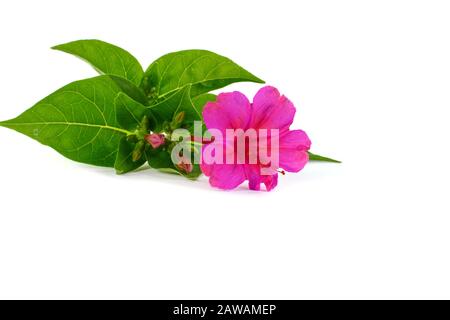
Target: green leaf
(200, 101)
(129, 113)
(124, 160)
(177, 102)
(78, 121)
(204, 70)
(316, 157)
(130, 89)
(160, 159)
(105, 58)
(196, 172)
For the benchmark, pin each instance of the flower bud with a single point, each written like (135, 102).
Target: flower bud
(185, 165)
(179, 117)
(138, 151)
(144, 123)
(155, 139)
(177, 120)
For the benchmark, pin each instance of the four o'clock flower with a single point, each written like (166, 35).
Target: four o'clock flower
(268, 111)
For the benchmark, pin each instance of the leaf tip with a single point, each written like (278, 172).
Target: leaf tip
(316, 157)
(4, 123)
(58, 47)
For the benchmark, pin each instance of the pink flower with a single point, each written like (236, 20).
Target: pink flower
(155, 139)
(268, 111)
(185, 165)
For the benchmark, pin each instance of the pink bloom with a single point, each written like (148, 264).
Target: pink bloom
(269, 111)
(155, 139)
(185, 165)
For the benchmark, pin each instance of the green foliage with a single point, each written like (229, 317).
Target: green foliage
(316, 157)
(105, 58)
(203, 70)
(78, 120)
(104, 121)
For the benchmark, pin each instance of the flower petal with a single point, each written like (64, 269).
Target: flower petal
(253, 173)
(230, 111)
(227, 176)
(295, 139)
(206, 168)
(270, 181)
(293, 149)
(271, 111)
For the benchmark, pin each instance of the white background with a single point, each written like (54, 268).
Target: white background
(370, 80)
